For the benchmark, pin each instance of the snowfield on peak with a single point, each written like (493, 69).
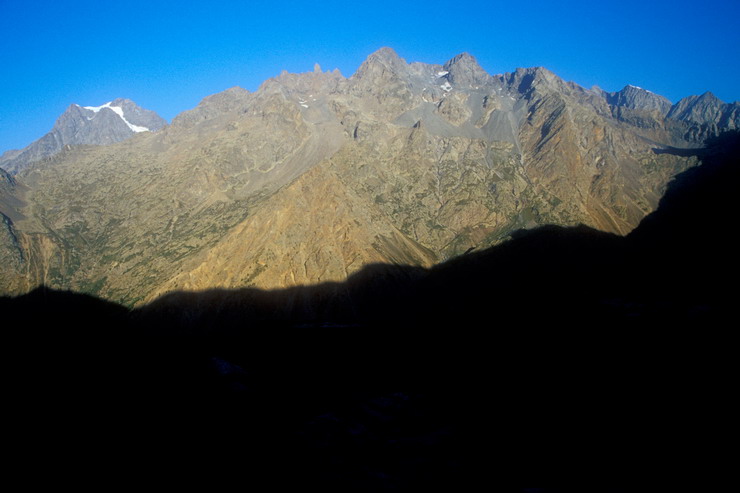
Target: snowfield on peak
(119, 111)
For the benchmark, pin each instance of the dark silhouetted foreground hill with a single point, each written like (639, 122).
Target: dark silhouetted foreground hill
(560, 339)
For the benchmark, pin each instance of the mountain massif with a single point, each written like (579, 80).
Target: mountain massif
(315, 175)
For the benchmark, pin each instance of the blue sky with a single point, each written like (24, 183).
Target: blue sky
(168, 55)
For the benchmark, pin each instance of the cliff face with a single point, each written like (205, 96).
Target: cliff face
(315, 175)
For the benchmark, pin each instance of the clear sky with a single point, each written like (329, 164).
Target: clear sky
(168, 55)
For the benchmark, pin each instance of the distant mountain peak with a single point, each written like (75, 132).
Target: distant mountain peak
(464, 58)
(386, 57)
(384, 53)
(705, 107)
(529, 79)
(464, 70)
(118, 110)
(108, 123)
(637, 98)
(381, 66)
(628, 86)
(709, 96)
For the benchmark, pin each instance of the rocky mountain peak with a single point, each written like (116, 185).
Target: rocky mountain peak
(136, 118)
(463, 58)
(381, 63)
(637, 98)
(524, 80)
(385, 53)
(464, 70)
(706, 108)
(710, 97)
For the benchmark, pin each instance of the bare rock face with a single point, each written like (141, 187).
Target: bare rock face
(315, 175)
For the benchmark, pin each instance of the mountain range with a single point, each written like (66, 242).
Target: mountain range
(315, 175)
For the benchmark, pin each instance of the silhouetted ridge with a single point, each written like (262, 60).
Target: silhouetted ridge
(700, 197)
(689, 241)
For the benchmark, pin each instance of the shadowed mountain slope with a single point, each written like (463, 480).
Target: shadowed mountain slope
(401, 377)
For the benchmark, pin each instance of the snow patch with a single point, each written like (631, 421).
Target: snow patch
(135, 128)
(442, 74)
(118, 111)
(98, 108)
(640, 88)
(446, 87)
